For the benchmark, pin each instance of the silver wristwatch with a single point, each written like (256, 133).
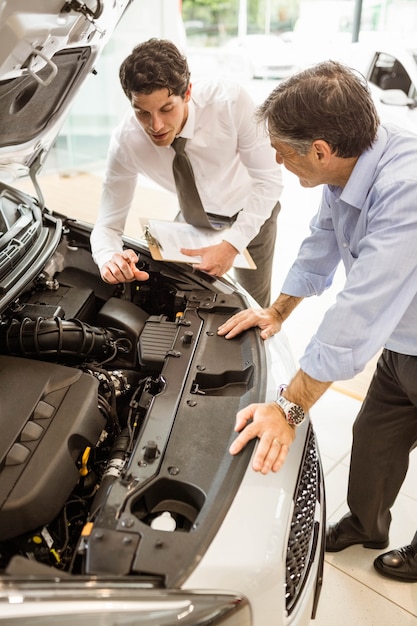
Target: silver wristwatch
(294, 414)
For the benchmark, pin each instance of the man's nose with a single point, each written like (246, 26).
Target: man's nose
(278, 159)
(155, 122)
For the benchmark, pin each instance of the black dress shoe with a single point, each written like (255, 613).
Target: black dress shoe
(337, 539)
(399, 564)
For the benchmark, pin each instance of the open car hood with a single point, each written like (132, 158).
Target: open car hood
(48, 48)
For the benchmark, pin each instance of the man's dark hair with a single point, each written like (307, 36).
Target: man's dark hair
(327, 101)
(152, 65)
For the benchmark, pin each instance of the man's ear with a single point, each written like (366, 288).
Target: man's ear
(187, 94)
(322, 150)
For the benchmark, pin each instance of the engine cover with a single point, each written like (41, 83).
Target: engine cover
(41, 442)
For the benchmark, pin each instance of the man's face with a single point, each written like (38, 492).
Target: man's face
(306, 167)
(161, 115)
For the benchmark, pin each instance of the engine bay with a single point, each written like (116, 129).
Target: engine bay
(118, 409)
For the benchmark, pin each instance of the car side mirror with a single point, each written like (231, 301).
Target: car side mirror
(396, 97)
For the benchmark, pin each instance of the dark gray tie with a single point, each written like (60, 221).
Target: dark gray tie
(188, 196)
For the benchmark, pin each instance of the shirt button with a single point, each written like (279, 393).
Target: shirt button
(345, 245)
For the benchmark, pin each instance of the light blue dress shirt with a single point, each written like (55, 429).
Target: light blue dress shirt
(371, 226)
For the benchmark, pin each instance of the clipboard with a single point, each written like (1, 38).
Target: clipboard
(166, 238)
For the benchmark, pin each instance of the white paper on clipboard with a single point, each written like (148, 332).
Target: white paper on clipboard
(165, 240)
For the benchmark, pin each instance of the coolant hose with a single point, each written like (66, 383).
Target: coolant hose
(112, 472)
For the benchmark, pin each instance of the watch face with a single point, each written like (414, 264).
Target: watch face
(295, 414)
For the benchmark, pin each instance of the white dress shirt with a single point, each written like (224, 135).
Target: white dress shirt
(233, 162)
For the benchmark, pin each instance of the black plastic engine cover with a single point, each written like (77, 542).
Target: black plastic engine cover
(49, 414)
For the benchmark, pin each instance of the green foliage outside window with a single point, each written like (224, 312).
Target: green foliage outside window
(211, 22)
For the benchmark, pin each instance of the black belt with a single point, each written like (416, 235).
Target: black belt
(222, 220)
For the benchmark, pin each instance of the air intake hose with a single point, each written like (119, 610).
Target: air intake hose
(56, 337)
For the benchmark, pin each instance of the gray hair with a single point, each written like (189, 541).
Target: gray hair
(327, 101)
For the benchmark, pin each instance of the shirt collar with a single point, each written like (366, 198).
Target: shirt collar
(363, 174)
(188, 128)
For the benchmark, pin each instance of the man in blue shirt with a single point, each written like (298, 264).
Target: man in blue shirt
(325, 129)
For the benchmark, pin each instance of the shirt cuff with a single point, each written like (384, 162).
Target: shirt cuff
(236, 239)
(305, 284)
(326, 362)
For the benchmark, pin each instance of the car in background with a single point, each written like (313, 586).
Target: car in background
(119, 499)
(260, 56)
(391, 70)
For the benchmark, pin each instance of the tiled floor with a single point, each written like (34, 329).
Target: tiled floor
(353, 593)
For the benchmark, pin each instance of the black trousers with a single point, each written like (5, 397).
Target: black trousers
(261, 248)
(384, 433)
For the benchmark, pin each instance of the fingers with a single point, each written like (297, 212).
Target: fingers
(265, 319)
(191, 251)
(269, 455)
(274, 433)
(139, 274)
(238, 323)
(280, 460)
(214, 260)
(130, 256)
(122, 269)
(199, 264)
(241, 441)
(242, 418)
(111, 274)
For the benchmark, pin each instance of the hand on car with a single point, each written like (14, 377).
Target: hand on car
(122, 268)
(274, 433)
(268, 320)
(215, 260)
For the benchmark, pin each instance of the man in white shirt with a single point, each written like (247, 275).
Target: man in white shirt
(233, 163)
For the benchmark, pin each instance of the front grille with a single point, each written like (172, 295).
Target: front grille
(304, 526)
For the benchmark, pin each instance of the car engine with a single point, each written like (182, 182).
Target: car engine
(118, 408)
